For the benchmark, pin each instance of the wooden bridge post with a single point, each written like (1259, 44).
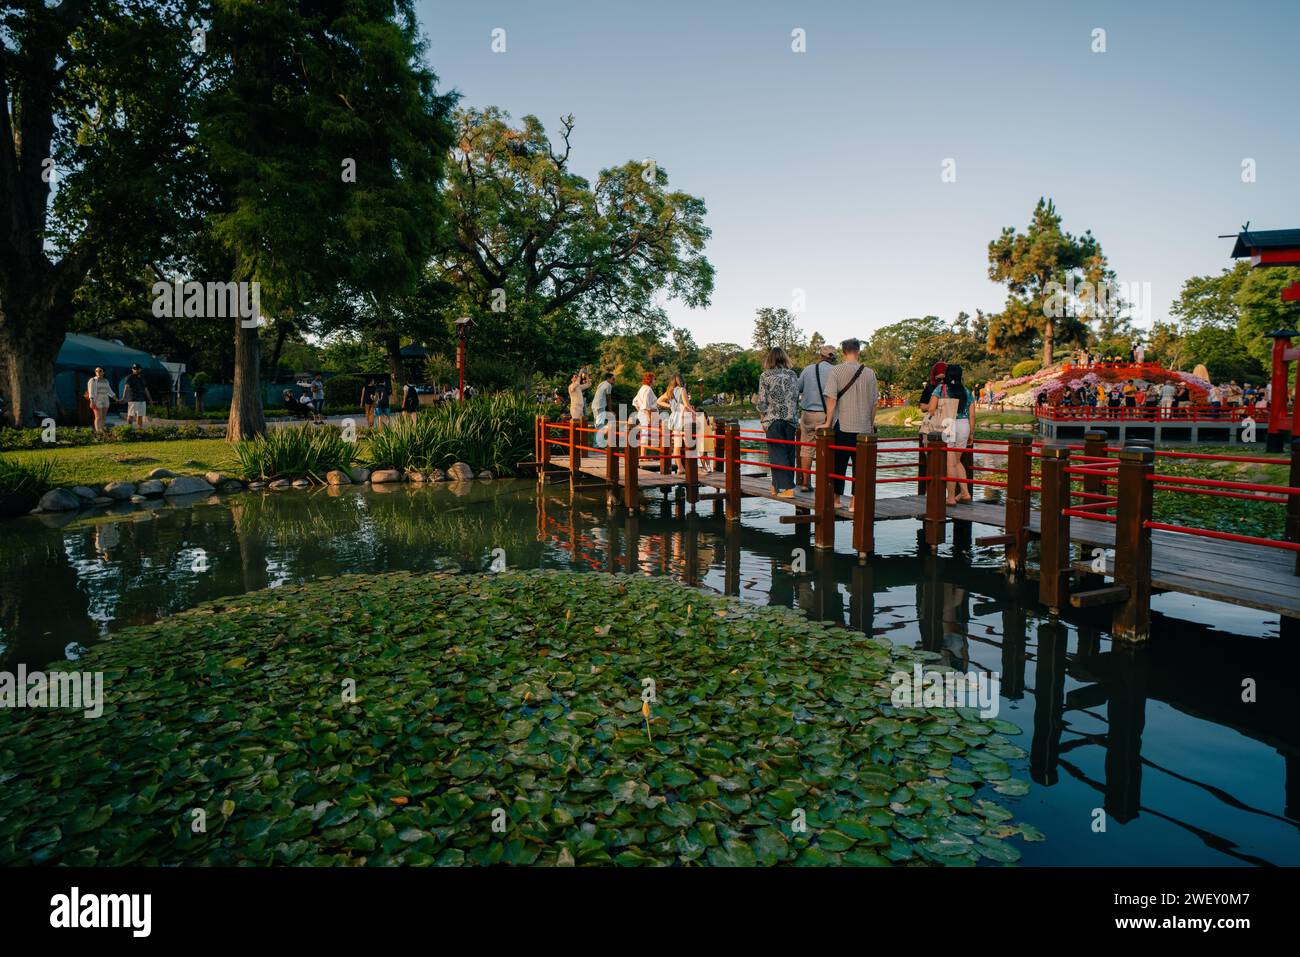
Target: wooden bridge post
(663, 455)
(719, 464)
(691, 451)
(1132, 617)
(1293, 502)
(1094, 445)
(1019, 467)
(936, 470)
(733, 471)
(575, 454)
(632, 472)
(545, 456)
(611, 456)
(824, 493)
(864, 496)
(1054, 559)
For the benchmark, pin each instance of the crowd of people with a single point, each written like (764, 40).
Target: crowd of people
(792, 405)
(1154, 397)
(1111, 360)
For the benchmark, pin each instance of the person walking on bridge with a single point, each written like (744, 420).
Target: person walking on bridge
(577, 399)
(812, 407)
(952, 409)
(778, 409)
(851, 396)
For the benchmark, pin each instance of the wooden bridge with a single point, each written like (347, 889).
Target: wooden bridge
(1091, 495)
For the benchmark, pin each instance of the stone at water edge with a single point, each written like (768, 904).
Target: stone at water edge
(418, 477)
(254, 486)
(301, 483)
(188, 485)
(150, 487)
(359, 474)
(102, 501)
(162, 474)
(437, 475)
(122, 491)
(460, 472)
(214, 478)
(337, 477)
(385, 476)
(485, 475)
(280, 485)
(137, 499)
(85, 492)
(232, 485)
(59, 500)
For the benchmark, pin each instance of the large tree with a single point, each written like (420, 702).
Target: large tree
(326, 141)
(539, 253)
(777, 327)
(93, 95)
(1027, 263)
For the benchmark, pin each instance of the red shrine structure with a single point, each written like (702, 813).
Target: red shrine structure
(1271, 248)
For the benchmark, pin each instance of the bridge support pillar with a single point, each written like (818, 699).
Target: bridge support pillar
(1054, 559)
(936, 470)
(1132, 618)
(1019, 466)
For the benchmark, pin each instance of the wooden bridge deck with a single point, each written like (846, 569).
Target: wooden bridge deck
(1252, 576)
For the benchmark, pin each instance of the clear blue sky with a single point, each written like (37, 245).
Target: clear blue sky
(821, 170)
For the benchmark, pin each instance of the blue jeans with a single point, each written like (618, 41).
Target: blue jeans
(779, 453)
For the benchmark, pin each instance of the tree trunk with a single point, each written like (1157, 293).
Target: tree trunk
(1049, 333)
(281, 332)
(29, 344)
(246, 418)
(393, 349)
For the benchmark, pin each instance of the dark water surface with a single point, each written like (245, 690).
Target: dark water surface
(1158, 744)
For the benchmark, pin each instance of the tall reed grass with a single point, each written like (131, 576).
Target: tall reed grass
(302, 451)
(493, 432)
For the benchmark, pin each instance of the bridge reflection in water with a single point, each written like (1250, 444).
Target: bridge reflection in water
(1088, 698)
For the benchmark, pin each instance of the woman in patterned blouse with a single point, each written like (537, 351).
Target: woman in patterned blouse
(778, 408)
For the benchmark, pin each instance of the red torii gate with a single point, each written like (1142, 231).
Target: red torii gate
(1270, 248)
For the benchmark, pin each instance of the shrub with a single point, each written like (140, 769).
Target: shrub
(295, 452)
(12, 440)
(1025, 367)
(344, 390)
(492, 432)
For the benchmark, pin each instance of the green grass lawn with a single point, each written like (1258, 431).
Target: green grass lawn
(130, 462)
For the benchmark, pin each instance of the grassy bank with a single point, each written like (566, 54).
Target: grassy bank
(513, 698)
(129, 462)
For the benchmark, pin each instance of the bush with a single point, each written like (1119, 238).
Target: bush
(493, 432)
(344, 390)
(304, 451)
(1025, 367)
(13, 440)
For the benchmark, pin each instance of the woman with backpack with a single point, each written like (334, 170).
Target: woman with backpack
(950, 407)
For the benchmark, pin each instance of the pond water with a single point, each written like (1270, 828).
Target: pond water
(1157, 744)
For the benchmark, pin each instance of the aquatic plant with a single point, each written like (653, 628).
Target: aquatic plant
(493, 432)
(302, 451)
(394, 719)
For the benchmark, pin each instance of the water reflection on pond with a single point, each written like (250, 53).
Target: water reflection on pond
(1158, 743)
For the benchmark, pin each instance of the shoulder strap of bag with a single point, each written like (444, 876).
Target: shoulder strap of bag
(839, 395)
(817, 372)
